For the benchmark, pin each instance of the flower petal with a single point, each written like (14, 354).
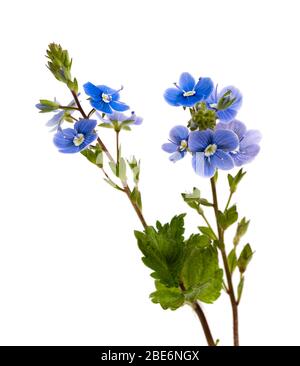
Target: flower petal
(118, 106)
(61, 141)
(186, 81)
(56, 119)
(85, 126)
(238, 127)
(246, 155)
(204, 87)
(226, 140)
(106, 90)
(199, 140)
(177, 156)
(101, 106)
(88, 140)
(213, 97)
(222, 160)
(72, 149)
(172, 96)
(202, 165)
(92, 90)
(169, 147)
(250, 138)
(235, 93)
(179, 133)
(226, 115)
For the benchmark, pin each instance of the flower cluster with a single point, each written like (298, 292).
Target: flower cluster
(102, 98)
(213, 136)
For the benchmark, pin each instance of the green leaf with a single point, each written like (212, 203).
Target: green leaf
(113, 184)
(163, 248)
(122, 169)
(60, 65)
(208, 232)
(227, 218)
(168, 297)
(234, 181)
(241, 230)
(113, 167)
(245, 258)
(201, 275)
(136, 197)
(135, 168)
(240, 289)
(94, 155)
(232, 260)
(195, 201)
(46, 106)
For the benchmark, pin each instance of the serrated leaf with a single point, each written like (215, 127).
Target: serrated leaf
(208, 232)
(245, 258)
(201, 275)
(227, 218)
(163, 250)
(232, 260)
(168, 297)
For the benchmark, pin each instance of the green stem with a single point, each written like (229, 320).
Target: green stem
(230, 287)
(228, 202)
(207, 223)
(67, 108)
(118, 152)
(91, 112)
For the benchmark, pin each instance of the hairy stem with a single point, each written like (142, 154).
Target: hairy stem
(229, 200)
(230, 287)
(117, 152)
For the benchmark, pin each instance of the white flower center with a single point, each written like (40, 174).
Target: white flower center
(189, 93)
(183, 145)
(78, 139)
(210, 150)
(106, 98)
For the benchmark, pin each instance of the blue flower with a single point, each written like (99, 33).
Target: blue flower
(58, 117)
(73, 140)
(119, 118)
(104, 99)
(188, 92)
(248, 142)
(211, 150)
(226, 103)
(178, 143)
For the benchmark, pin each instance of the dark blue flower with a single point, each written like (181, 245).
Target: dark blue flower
(248, 142)
(73, 140)
(119, 118)
(187, 93)
(178, 143)
(211, 150)
(226, 103)
(104, 99)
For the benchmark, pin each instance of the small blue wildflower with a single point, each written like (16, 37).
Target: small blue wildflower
(178, 143)
(117, 117)
(73, 140)
(226, 103)
(187, 93)
(211, 150)
(104, 99)
(58, 117)
(248, 142)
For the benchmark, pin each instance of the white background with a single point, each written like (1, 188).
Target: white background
(70, 270)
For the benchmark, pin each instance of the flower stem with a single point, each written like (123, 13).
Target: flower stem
(118, 152)
(127, 191)
(198, 310)
(229, 200)
(231, 293)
